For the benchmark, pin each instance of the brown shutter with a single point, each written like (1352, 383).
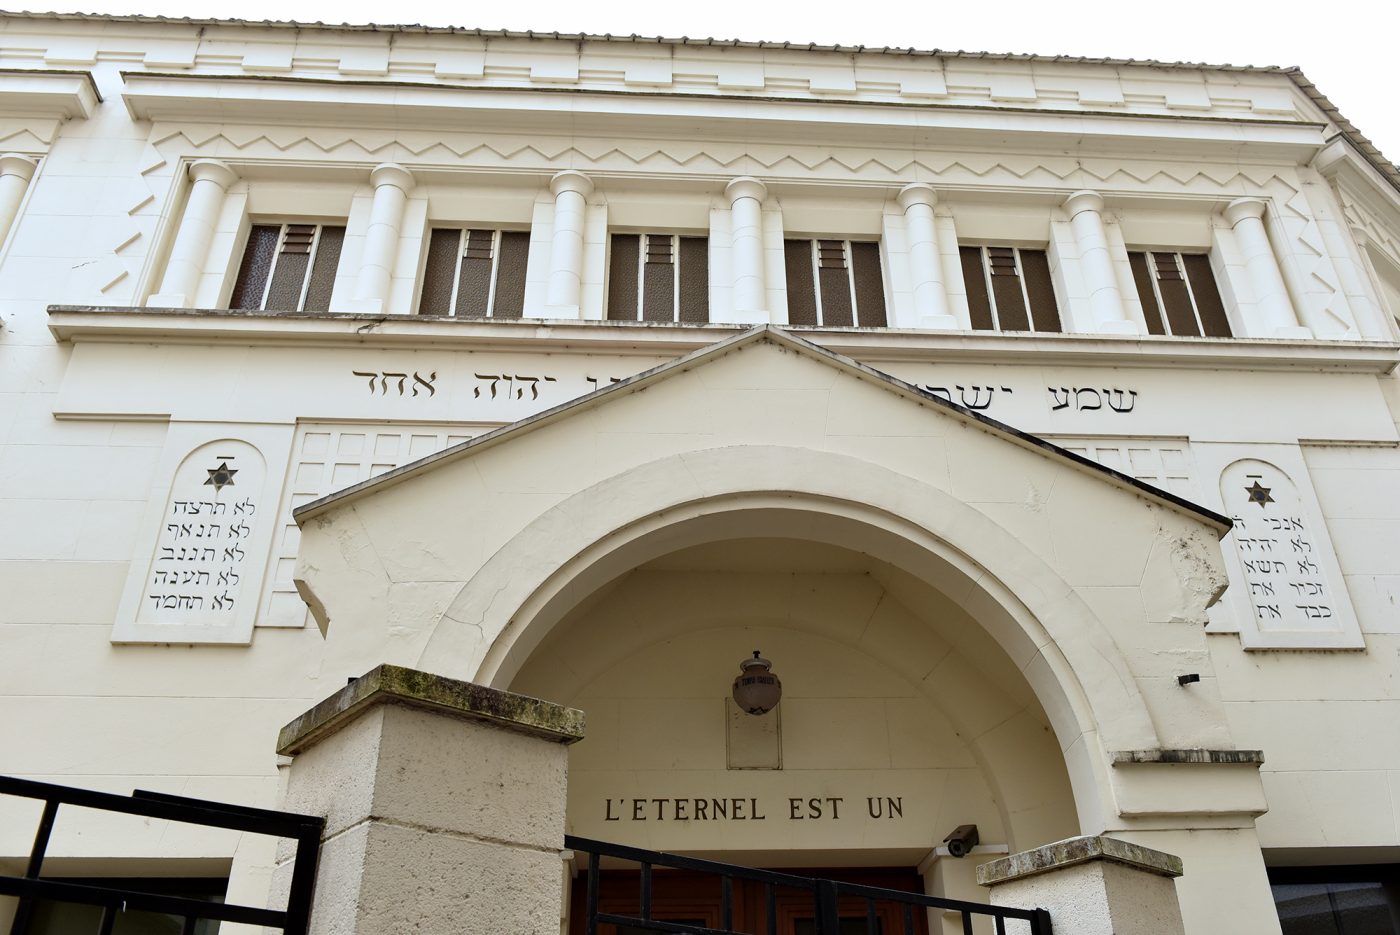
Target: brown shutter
(1214, 321)
(289, 276)
(257, 264)
(443, 244)
(1137, 260)
(837, 310)
(1171, 283)
(1045, 311)
(474, 276)
(801, 291)
(979, 306)
(695, 279)
(1006, 289)
(318, 293)
(510, 275)
(870, 285)
(622, 277)
(659, 280)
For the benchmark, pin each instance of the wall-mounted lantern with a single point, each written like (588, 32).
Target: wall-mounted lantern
(756, 689)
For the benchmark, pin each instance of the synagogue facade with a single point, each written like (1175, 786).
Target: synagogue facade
(1034, 417)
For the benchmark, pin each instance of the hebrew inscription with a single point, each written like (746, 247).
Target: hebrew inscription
(498, 387)
(1287, 588)
(382, 382)
(1089, 399)
(971, 397)
(202, 543)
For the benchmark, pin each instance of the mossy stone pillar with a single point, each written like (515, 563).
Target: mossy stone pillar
(1093, 885)
(444, 805)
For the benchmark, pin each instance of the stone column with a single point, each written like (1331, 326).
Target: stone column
(1085, 210)
(746, 196)
(15, 173)
(209, 182)
(1275, 311)
(444, 805)
(571, 190)
(1093, 885)
(392, 183)
(925, 262)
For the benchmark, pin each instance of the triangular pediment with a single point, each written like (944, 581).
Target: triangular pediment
(749, 353)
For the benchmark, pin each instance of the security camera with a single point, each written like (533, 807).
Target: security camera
(962, 840)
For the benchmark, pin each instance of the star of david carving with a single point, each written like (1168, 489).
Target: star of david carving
(221, 477)
(1259, 494)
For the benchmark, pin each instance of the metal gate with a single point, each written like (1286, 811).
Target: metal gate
(825, 895)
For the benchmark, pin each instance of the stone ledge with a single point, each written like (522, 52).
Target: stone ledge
(1189, 756)
(1073, 851)
(388, 684)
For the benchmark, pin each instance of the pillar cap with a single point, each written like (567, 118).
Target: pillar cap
(571, 180)
(745, 186)
(18, 165)
(917, 193)
(387, 684)
(1083, 200)
(391, 173)
(1242, 208)
(1081, 850)
(212, 170)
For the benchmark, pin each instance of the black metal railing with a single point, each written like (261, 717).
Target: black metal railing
(305, 829)
(827, 897)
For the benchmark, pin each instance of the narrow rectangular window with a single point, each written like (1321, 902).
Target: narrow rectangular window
(288, 267)
(1009, 289)
(835, 283)
(1178, 293)
(474, 273)
(658, 277)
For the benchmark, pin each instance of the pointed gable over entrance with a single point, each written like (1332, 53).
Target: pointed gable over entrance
(1089, 581)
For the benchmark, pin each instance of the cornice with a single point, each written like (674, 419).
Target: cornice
(48, 93)
(101, 324)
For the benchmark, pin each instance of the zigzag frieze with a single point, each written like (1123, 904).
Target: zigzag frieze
(718, 158)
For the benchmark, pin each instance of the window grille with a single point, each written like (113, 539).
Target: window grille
(659, 277)
(1009, 289)
(835, 283)
(475, 273)
(288, 268)
(1178, 294)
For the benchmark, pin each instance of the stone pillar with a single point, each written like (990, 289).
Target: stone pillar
(1275, 312)
(1085, 210)
(925, 262)
(746, 196)
(571, 190)
(209, 182)
(444, 805)
(1093, 885)
(15, 173)
(392, 183)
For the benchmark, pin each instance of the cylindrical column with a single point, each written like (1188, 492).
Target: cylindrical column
(1085, 210)
(746, 212)
(571, 190)
(15, 173)
(392, 183)
(925, 263)
(1275, 311)
(209, 182)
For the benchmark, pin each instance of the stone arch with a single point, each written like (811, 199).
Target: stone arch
(1065, 652)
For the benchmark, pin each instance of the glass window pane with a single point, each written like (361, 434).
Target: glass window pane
(1213, 319)
(801, 290)
(870, 285)
(1045, 311)
(622, 277)
(318, 294)
(443, 244)
(659, 280)
(1142, 278)
(979, 306)
(257, 264)
(695, 279)
(474, 278)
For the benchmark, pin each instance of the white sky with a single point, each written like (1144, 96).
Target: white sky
(1347, 47)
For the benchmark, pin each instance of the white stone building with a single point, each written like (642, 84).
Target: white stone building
(960, 385)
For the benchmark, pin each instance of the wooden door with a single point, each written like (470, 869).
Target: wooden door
(695, 899)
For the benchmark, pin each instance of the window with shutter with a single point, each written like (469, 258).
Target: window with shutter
(659, 277)
(288, 268)
(475, 273)
(1009, 289)
(1178, 293)
(835, 283)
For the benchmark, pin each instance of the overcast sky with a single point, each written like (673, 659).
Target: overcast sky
(1347, 47)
